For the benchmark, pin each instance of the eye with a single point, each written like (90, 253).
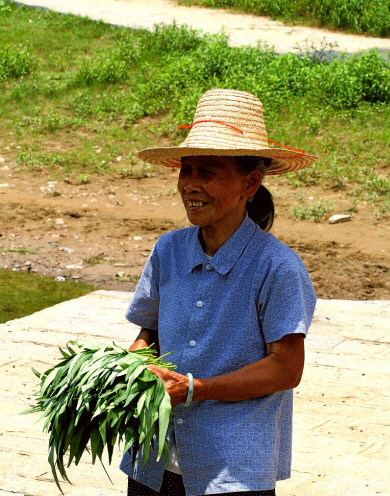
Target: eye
(206, 172)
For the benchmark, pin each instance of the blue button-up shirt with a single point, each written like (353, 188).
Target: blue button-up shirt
(217, 316)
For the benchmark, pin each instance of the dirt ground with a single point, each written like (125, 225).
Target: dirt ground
(102, 232)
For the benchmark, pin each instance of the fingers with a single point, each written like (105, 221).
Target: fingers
(176, 385)
(159, 372)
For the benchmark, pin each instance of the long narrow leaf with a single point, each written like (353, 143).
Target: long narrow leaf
(164, 412)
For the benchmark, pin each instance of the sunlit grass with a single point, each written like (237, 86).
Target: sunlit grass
(362, 16)
(95, 94)
(23, 293)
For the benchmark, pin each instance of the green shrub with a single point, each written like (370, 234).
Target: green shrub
(172, 38)
(15, 63)
(105, 70)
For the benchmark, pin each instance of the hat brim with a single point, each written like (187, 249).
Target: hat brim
(282, 160)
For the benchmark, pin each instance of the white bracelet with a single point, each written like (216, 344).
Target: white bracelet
(190, 389)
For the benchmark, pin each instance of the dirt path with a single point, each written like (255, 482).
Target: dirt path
(242, 29)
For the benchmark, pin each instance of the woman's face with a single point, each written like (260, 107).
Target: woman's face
(212, 191)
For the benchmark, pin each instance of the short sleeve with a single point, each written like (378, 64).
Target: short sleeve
(286, 301)
(143, 309)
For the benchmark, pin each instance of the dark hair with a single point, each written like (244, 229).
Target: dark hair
(261, 208)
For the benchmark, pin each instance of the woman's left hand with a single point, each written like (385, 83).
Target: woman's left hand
(176, 385)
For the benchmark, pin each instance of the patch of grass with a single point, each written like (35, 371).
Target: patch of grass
(98, 92)
(313, 211)
(128, 278)
(96, 259)
(84, 179)
(21, 250)
(357, 16)
(23, 293)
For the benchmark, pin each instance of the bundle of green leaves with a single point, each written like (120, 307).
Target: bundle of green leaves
(99, 394)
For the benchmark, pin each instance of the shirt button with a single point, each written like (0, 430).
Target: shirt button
(209, 267)
(192, 343)
(179, 421)
(199, 304)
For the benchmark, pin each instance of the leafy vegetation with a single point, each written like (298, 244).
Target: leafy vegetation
(359, 16)
(104, 92)
(315, 211)
(99, 394)
(14, 63)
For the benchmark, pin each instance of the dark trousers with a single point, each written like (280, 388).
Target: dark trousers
(172, 485)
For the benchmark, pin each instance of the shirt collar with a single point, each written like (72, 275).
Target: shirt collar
(225, 258)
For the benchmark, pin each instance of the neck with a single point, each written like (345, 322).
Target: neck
(214, 236)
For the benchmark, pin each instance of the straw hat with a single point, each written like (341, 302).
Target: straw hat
(231, 123)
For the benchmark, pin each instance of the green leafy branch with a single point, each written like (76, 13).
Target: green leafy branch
(99, 394)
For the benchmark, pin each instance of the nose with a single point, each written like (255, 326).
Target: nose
(191, 183)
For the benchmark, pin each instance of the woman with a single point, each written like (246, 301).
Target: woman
(232, 302)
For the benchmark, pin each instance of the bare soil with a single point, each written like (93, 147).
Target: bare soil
(102, 232)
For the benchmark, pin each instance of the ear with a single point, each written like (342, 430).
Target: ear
(252, 183)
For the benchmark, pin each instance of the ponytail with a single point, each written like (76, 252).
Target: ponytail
(260, 206)
(261, 209)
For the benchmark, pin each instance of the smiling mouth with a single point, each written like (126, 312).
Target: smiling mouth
(196, 203)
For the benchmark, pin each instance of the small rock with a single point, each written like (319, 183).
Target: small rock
(74, 267)
(60, 279)
(4, 185)
(64, 248)
(59, 222)
(54, 193)
(137, 238)
(337, 219)
(119, 274)
(67, 181)
(120, 265)
(2, 160)
(28, 263)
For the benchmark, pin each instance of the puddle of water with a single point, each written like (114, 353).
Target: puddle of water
(23, 293)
